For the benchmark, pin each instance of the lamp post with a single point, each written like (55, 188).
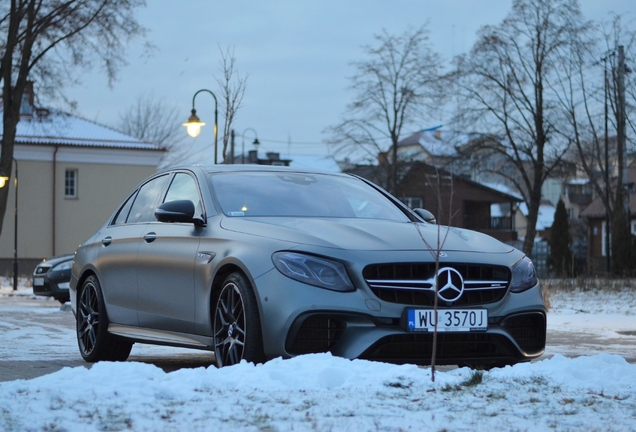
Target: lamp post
(3, 182)
(256, 142)
(193, 125)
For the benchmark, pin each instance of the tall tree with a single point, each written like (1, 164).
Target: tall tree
(395, 87)
(154, 120)
(48, 41)
(560, 259)
(598, 123)
(232, 88)
(505, 88)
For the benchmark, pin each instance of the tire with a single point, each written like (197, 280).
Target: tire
(95, 343)
(237, 325)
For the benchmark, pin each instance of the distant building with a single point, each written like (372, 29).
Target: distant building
(462, 202)
(595, 215)
(271, 158)
(72, 173)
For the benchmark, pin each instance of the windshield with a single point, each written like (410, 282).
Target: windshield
(300, 195)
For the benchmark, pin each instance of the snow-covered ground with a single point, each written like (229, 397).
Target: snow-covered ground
(593, 388)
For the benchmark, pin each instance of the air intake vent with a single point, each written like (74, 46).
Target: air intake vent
(317, 334)
(528, 330)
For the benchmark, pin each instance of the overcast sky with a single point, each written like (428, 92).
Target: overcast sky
(297, 55)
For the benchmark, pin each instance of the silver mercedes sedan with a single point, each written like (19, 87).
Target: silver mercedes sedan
(255, 262)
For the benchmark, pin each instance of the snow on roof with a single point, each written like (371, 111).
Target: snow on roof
(439, 142)
(503, 188)
(60, 128)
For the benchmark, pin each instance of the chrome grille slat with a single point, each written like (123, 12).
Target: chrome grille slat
(413, 283)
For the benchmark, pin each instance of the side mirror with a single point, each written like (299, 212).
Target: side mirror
(175, 211)
(426, 215)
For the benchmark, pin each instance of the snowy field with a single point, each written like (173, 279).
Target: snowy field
(584, 386)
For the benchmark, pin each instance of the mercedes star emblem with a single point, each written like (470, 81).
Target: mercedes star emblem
(450, 283)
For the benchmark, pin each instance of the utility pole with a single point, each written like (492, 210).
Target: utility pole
(607, 197)
(620, 123)
(232, 146)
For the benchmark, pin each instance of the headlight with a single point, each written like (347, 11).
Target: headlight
(523, 275)
(312, 270)
(66, 265)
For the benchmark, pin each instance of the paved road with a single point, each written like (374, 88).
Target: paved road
(37, 337)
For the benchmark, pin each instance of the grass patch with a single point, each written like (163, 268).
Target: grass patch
(588, 284)
(476, 377)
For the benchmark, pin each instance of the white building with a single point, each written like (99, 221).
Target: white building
(72, 174)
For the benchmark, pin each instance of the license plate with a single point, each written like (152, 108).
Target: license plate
(38, 281)
(448, 320)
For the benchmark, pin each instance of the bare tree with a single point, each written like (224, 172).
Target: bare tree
(232, 88)
(155, 120)
(395, 88)
(506, 88)
(441, 185)
(589, 95)
(49, 41)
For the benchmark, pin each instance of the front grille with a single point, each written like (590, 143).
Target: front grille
(528, 330)
(317, 334)
(451, 347)
(413, 283)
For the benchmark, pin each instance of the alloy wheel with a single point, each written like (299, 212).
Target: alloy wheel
(88, 324)
(229, 326)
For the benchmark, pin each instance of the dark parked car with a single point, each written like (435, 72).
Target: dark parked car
(256, 262)
(52, 277)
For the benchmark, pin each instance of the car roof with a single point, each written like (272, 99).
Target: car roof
(222, 168)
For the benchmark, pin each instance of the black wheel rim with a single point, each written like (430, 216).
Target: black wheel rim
(88, 319)
(229, 326)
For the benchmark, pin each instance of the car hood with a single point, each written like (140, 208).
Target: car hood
(52, 262)
(365, 234)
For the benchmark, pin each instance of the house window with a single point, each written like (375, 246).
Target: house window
(70, 183)
(413, 202)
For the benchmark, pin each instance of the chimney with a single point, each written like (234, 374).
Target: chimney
(438, 134)
(383, 159)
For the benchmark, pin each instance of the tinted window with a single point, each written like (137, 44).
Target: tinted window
(183, 187)
(143, 209)
(297, 194)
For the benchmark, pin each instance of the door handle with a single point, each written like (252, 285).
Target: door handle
(107, 240)
(150, 237)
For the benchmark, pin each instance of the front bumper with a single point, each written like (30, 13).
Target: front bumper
(52, 284)
(359, 325)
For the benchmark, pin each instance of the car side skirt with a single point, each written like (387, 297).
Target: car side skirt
(158, 337)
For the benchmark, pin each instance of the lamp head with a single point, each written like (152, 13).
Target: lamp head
(256, 142)
(193, 125)
(3, 181)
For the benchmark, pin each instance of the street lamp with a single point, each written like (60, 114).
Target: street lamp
(193, 125)
(3, 182)
(243, 144)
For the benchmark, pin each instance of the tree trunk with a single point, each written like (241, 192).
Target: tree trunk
(533, 213)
